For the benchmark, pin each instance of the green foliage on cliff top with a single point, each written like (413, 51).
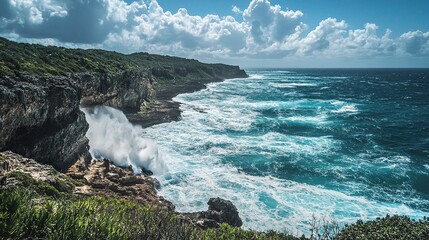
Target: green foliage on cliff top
(23, 58)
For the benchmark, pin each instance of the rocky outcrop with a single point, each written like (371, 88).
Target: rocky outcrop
(99, 178)
(220, 211)
(40, 119)
(17, 171)
(102, 178)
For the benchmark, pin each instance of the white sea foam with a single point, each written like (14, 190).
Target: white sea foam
(321, 119)
(293, 85)
(337, 102)
(395, 159)
(199, 150)
(112, 137)
(263, 202)
(346, 109)
(256, 76)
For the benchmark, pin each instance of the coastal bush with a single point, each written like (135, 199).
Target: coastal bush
(389, 227)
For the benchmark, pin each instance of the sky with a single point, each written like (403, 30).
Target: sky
(252, 33)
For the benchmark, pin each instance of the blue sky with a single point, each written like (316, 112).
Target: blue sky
(398, 15)
(255, 33)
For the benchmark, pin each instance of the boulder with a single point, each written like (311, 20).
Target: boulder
(219, 211)
(226, 211)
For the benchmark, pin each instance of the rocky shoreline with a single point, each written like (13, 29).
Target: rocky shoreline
(42, 130)
(163, 108)
(102, 178)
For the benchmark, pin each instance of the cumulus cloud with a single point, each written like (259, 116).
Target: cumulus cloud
(270, 24)
(326, 34)
(74, 21)
(415, 43)
(260, 30)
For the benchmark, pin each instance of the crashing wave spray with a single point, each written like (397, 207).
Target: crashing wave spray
(112, 136)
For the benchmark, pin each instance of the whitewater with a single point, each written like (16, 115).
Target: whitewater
(287, 145)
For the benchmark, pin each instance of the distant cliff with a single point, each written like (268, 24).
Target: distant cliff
(41, 89)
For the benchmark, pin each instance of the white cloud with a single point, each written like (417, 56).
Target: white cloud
(236, 10)
(327, 33)
(415, 43)
(263, 30)
(270, 24)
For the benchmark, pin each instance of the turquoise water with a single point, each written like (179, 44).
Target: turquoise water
(285, 145)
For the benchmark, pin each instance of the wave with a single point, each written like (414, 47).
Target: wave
(257, 76)
(264, 200)
(317, 120)
(346, 109)
(282, 157)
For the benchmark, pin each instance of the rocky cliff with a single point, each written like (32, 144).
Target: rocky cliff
(41, 89)
(126, 90)
(40, 118)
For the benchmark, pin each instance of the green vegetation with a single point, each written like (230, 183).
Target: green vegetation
(26, 214)
(389, 227)
(23, 58)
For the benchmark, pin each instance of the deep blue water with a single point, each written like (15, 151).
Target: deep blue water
(284, 145)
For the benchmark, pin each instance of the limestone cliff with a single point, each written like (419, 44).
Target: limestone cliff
(41, 89)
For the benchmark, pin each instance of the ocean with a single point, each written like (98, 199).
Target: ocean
(287, 145)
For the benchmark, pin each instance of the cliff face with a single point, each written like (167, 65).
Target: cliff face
(126, 90)
(40, 118)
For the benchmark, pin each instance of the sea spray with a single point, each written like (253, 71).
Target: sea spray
(112, 136)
